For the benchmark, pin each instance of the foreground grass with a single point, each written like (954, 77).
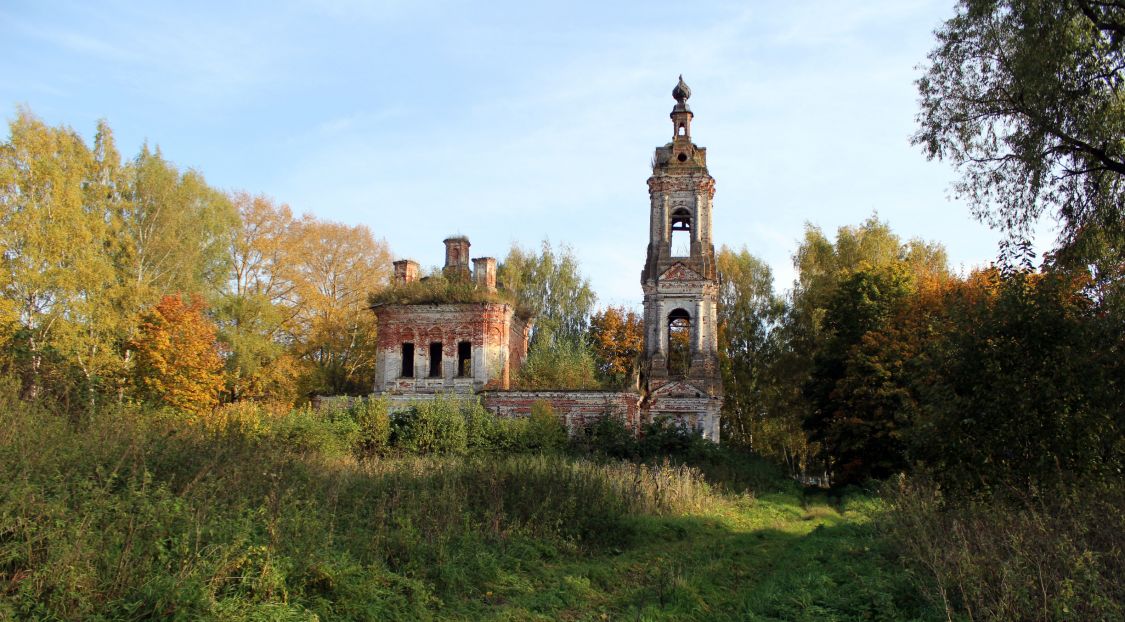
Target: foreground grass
(131, 519)
(769, 559)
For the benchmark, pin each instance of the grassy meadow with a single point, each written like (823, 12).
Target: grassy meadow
(138, 515)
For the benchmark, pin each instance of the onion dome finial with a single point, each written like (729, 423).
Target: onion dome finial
(681, 92)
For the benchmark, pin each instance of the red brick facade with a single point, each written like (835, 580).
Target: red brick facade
(496, 337)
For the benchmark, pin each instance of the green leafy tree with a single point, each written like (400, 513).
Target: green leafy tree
(748, 311)
(168, 233)
(1025, 386)
(551, 287)
(823, 264)
(333, 267)
(1027, 99)
(560, 364)
(174, 229)
(857, 409)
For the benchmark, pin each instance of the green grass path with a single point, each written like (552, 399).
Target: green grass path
(772, 558)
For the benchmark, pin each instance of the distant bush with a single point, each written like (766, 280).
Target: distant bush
(481, 427)
(244, 418)
(431, 426)
(607, 436)
(330, 431)
(487, 432)
(374, 422)
(665, 437)
(544, 431)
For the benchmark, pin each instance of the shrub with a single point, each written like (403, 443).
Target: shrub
(330, 431)
(244, 418)
(433, 426)
(374, 422)
(481, 427)
(510, 435)
(544, 431)
(608, 436)
(665, 437)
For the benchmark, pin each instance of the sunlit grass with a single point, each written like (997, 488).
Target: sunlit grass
(136, 517)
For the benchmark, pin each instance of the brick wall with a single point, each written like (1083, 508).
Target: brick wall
(576, 409)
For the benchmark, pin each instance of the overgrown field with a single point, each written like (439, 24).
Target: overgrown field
(130, 516)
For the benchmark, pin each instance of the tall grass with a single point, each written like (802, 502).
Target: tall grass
(277, 516)
(1056, 554)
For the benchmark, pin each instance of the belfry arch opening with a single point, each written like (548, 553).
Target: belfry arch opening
(679, 343)
(681, 232)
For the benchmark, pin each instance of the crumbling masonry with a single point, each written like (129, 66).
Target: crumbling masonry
(680, 368)
(478, 347)
(449, 348)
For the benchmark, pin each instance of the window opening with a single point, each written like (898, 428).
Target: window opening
(681, 233)
(679, 343)
(435, 359)
(407, 360)
(464, 359)
(682, 131)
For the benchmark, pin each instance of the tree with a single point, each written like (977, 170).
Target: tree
(53, 267)
(617, 338)
(177, 356)
(823, 265)
(333, 267)
(559, 364)
(1027, 99)
(89, 243)
(551, 287)
(258, 304)
(748, 312)
(172, 229)
(1023, 385)
(858, 406)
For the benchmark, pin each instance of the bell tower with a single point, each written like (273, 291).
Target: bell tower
(680, 367)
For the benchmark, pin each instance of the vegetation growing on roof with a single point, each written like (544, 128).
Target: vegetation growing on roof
(438, 289)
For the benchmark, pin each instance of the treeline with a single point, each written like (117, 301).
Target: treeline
(132, 279)
(881, 359)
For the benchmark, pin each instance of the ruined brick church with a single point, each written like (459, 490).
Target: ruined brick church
(478, 347)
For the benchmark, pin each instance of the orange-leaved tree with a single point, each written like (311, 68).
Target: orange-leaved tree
(617, 338)
(178, 361)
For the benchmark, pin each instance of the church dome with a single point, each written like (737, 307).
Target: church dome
(681, 92)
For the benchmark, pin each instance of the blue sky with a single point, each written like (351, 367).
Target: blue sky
(514, 121)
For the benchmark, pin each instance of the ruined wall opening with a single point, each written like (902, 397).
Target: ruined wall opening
(681, 232)
(464, 359)
(679, 343)
(407, 360)
(435, 359)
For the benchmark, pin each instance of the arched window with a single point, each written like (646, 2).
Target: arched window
(682, 131)
(679, 343)
(681, 232)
